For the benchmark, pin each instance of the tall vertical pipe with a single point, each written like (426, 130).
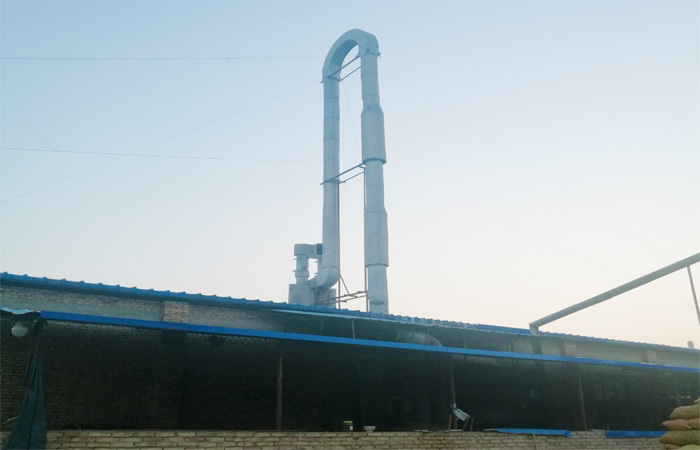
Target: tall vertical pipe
(329, 263)
(318, 289)
(373, 157)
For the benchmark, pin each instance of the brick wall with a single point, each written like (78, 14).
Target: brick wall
(149, 309)
(84, 300)
(98, 377)
(115, 377)
(174, 440)
(175, 312)
(13, 368)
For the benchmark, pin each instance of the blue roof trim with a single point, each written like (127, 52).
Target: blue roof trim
(531, 431)
(53, 315)
(150, 294)
(633, 434)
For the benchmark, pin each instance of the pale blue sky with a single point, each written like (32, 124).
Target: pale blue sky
(539, 153)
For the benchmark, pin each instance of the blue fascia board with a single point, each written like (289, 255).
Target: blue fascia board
(207, 329)
(531, 431)
(633, 434)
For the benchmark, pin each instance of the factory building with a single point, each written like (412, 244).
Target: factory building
(117, 358)
(127, 358)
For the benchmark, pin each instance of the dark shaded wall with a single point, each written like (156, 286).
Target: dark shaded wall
(115, 377)
(633, 399)
(124, 378)
(14, 356)
(527, 394)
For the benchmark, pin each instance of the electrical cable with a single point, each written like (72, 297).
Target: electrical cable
(359, 152)
(352, 211)
(151, 155)
(158, 142)
(529, 165)
(530, 235)
(225, 58)
(352, 122)
(543, 175)
(264, 252)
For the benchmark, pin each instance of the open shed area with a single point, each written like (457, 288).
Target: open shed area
(149, 360)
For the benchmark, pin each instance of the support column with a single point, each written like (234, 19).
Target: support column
(580, 422)
(452, 424)
(278, 406)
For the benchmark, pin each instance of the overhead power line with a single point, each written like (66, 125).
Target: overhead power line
(158, 142)
(529, 165)
(352, 122)
(272, 244)
(523, 232)
(221, 58)
(151, 155)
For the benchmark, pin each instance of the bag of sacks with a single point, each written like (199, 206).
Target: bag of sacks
(683, 428)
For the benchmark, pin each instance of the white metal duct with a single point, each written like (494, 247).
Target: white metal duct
(319, 289)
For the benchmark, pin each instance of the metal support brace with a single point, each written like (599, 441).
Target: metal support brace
(278, 405)
(452, 424)
(695, 297)
(535, 326)
(580, 399)
(361, 165)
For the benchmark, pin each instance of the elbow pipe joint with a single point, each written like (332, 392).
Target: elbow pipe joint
(326, 278)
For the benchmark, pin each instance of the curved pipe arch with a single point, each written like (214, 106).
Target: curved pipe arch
(373, 158)
(366, 43)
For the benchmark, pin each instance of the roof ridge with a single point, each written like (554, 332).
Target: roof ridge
(119, 290)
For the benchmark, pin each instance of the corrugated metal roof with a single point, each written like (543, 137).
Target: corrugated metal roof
(151, 294)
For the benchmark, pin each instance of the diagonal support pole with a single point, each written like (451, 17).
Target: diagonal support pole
(535, 326)
(692, 288)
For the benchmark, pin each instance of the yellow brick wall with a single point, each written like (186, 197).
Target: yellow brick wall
(268, 440)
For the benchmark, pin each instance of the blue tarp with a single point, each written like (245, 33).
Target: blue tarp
(628, 434)
(539, 431)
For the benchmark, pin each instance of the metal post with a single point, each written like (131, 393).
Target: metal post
(695, 297)
(278, 409)
(453, 397)
(676, 394)
(356, 393)
(536, 344)
(580, 399)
